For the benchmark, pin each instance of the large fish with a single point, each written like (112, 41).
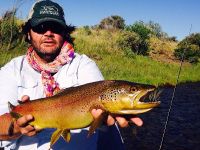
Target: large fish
(71, 108)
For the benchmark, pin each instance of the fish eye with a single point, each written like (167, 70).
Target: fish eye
(133, 89)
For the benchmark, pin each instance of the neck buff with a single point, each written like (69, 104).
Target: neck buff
(51, 87)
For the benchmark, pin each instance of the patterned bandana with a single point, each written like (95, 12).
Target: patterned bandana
(51, 87)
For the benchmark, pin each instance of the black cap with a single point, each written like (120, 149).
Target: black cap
(46, 10)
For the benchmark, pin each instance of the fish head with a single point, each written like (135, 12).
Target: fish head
(130, 98)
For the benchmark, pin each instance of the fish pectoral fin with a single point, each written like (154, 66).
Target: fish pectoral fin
(97, 122)
(55, 136)
(66, 135)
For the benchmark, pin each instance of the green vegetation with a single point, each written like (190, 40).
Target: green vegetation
(190, 46)
(140, 52)
(115, 63)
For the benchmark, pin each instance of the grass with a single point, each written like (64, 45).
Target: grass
(144, 70)
(101, 46)
(6, 56)
(114, 64)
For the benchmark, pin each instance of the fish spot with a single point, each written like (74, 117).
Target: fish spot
(111, 95)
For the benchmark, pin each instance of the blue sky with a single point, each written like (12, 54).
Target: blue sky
(174, 16)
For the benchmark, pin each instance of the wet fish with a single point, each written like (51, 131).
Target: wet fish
(71, 108)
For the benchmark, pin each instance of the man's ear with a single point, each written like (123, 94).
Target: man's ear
(28, 36)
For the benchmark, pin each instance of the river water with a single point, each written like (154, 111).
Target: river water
(183, 128)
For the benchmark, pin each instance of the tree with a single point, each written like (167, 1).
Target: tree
(140, 28)
(189, 48)
(112, 22)
(144, 33)
(156, 29)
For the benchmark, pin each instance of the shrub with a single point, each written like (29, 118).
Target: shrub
(140, 28)
(189, 48)
(112, 22)
(131, 43)
(87, 30)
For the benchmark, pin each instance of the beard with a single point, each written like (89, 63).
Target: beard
(46, 53)
(49, 57)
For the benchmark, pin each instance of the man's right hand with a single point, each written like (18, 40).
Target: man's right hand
(22, 124)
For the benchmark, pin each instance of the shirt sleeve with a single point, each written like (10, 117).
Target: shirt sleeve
(8, 92)
(8, 87)
(88, 71)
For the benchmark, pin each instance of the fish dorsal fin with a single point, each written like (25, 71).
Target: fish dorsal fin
(97, 122)
(66, 135)
(55, 136)
(10, 106)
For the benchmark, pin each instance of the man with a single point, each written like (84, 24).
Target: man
(50, 65)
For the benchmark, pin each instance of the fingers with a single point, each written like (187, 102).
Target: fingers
(24, 127)
(110, 120)
(24, 98)
(137, 121)
(28, 130)
(96, 112)
(122, 121)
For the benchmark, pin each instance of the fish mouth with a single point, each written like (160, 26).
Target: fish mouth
(149, 96)
(147, 99)
(144, 101)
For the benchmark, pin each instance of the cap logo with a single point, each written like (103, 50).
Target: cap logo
(49, 10)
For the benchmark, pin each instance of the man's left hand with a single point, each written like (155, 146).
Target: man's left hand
(123, 122)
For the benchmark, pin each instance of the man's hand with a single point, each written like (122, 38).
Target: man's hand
(23, 123)
(24, 127)
(123, 122)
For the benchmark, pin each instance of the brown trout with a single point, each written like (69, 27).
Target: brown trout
(71, 108)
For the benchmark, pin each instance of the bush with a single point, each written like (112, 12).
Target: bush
(112, 22)
(131, 43)
(190, 48)
(141, 29)
(87, 30)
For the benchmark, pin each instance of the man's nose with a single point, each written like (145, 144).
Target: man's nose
(48, 33)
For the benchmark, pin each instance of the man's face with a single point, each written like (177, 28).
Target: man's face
(47, 39)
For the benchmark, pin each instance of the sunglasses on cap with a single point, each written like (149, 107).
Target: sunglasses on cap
(48, 26)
